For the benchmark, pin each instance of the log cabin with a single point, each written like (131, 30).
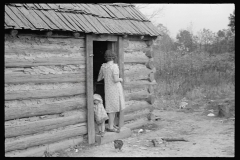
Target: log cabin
(53, 53)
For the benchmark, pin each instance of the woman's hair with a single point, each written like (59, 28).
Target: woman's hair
(109, 55)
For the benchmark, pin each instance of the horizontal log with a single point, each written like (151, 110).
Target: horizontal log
(31, 94)
(50, 61)
(43, 109)
(43, 40)
(104, 38)
(45, 78)
(137, 106)
(141, 95)
(27, 128)
(45, 138)
(141, 74)
(133, 58)
(137, 38)
(137, 124)
(151, 99)
(52, 147)
(151, 77)
(148, 52)
(134, 116)
(138, 84)
(150, 64)
(28, 50)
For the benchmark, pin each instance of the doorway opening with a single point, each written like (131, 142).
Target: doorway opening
(99, 48)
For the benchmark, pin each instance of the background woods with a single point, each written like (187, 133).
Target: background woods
(195, 66)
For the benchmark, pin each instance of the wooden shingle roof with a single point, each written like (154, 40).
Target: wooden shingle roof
(114, 18)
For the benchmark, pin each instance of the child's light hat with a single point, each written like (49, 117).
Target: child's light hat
(97, 97)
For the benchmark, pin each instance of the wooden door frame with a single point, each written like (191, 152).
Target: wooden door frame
(89, 77)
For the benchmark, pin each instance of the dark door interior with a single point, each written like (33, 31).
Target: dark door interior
(99, 48)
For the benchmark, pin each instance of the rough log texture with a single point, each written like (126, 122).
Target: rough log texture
(30, 94)
(45, 138)
(52, 147)
(143, 74)
(43, 109)
(141, 95)
(150, 64)
(14, 62)
(137, 106)
(41, 78)
(137, 124)
(137, 84)
(135, 58)
(44, 125)
(133, 116)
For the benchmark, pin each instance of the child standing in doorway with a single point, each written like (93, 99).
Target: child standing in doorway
(99, 113)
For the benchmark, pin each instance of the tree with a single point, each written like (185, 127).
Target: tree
(164, 41)
(185, 40)
(155, 13)
(232, 21)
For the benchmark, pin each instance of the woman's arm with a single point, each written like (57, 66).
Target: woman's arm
(100, 75)
(116, 74)
(116, 78)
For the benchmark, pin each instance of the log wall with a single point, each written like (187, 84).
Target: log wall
(138, 79)
(45, 97)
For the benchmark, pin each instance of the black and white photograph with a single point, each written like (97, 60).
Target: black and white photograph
(119, 79)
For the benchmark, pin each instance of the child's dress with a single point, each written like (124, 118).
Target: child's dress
(99, 111)
(114, 96)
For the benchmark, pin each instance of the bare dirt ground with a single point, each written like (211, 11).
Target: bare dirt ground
(207, 137)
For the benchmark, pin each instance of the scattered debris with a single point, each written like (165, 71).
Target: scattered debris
(174, 139)
(140, 131)
(211, 115)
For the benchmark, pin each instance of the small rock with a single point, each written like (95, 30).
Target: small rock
(211, 115)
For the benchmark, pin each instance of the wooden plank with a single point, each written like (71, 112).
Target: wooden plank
(45, 137)
(51, 61)
(105, 38)
(58, 107)
(80, 24)
(26, 50)
(134, 116)
(89, 87)
(30, 18)
(44, 78)
(38, 19)
(132, 85)
(22, 17)
(44, 125)
(52, 147)
(91, 22)
(141, 95)
(10, 22)
(137, 106)
(52, 19)
(121, 73)
(45, 19)
(52, 13)
(14, 17)
(141, 74)
(30, 94)
(137, 124)
(71, 22)
(63, 20)
(133, 58)
(85, 21)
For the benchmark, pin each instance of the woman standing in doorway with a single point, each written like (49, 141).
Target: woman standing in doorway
(114, 97)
